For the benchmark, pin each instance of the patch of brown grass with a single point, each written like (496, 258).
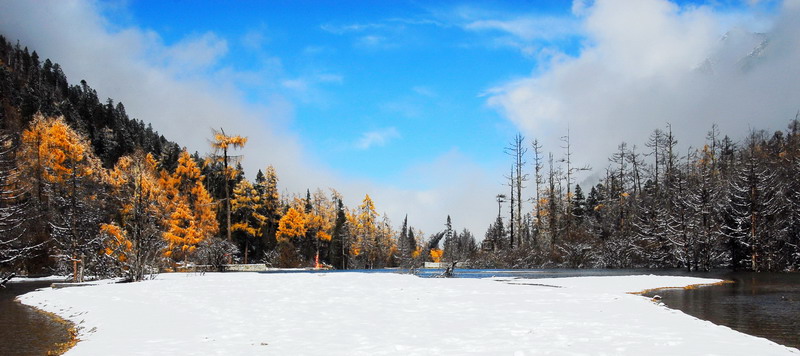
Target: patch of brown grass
(61, 347)
(689, 287)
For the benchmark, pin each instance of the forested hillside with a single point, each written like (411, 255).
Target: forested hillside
(29, 85)
(84, 189)
(88, 190)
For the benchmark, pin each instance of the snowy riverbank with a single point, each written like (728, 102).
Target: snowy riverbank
(387, 314)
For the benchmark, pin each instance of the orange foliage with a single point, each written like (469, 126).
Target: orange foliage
(247, 204)
(116, 241)
(191, 219)
(320, 220)
(55, 152)
(206, 217)
(291, 225)
(187, 170)
(436, 254)
(364, 225)
(141, 199)
(223, 142)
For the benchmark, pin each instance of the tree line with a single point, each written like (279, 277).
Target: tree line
(725, 204)
(137, 217)
(84, 189)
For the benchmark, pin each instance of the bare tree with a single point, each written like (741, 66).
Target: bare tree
(553, 199)
(512, 184)
(538, 181)
(654, 143)
(517, 179)
(636, 162)
(570, 174)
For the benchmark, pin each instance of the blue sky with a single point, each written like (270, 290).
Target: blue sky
(376, 89)
(379, 88)
(412, 102)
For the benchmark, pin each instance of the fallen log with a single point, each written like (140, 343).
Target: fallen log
(5, 280)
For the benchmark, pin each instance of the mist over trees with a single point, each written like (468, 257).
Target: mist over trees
(86, 190)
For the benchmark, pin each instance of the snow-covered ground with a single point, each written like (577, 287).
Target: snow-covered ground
(18, 279)
(387, 314)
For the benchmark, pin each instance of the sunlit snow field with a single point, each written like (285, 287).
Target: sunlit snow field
(387, 314)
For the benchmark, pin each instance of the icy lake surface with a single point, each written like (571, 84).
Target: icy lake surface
(347, 313)
(765, 304)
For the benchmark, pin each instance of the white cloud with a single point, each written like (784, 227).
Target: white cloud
(650, 62)
(174, 87)
(195, 53)
(528, 28)
(296, 84)
(579, 7)
(330, 78)
(415, 105)
(425, 91)
(448, 184)
(185, 90)
(310, 87)
(254, 40)
(382, 35)
(372, 41)
(534, 35)
(354, 27)
(377, 138)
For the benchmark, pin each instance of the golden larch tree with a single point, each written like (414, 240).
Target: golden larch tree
(436, 255)
(135, 238)
(222, 144)
(191, 219)
(365, 231)
(204, 207)
(246, 206)
(62, 175)
(291, 226)
(320, 221)
(179, 220)
(270, 203)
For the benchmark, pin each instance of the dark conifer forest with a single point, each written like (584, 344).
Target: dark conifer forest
(723, 203)
(85, 189)
(29, 84)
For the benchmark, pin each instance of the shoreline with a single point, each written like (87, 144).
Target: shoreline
(688, 287)
(71, 329)
(251, 313)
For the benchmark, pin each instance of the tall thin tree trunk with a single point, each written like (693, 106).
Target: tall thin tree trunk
(512, 220)
(74, 268)
(227, 194)
(246, 247)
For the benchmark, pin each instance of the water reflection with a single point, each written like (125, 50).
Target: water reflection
(761, 304)
(23, 330)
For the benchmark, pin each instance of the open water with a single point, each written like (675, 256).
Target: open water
(23, 330)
